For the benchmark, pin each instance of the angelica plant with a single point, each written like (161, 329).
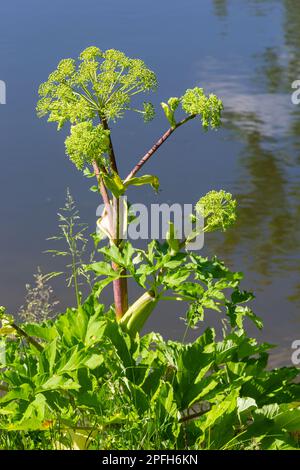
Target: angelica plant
(92, 92)
(90, 380)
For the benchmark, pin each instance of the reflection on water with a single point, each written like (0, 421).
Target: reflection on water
(248, 55)
(260, 114)
(221, 7)
(263, 117)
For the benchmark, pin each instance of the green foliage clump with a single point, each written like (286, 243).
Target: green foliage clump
(87, 143)
(93, 386)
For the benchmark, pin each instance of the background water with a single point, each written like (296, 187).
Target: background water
(248, 52)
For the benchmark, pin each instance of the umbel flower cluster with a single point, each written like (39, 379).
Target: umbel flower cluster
(98, 88)
(218, 208)
(86, 143)
(100, 84)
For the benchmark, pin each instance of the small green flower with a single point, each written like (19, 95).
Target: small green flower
(149, 112)
(91, 53)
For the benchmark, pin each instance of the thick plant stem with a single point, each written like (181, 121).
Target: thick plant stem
(120, 287)
(149, 154)
(30, 340)
(156, 146)
(111, 151)
(103, 190)
(120, 294)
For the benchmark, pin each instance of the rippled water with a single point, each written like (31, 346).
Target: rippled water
(246, 51)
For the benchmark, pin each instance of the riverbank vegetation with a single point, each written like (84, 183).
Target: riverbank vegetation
(90, 378)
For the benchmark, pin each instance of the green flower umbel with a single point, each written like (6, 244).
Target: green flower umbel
(218, 208)
(86, 143)
(194, 103)
(209, 108)
(100, 84)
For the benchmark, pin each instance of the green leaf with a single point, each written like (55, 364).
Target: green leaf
(191, 290)
(45, 332)
(173, 242)
(173, 280)
(114, 184)
(245, 404)
(113, 253)
(101, 268)
(18, 393)
(142, 180)
(100, 285)
(50, 354)
(88, 173)
(192, 360)
(71, 360)
(94, 361)
(217, 425)
(33, 417)
(95, 329)
(237, 314)
(165, 408)
(169, 113)
(128, 253)
(288, 418)
(72, 326)
(60, 382)
(238, 296)
(136, 395)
